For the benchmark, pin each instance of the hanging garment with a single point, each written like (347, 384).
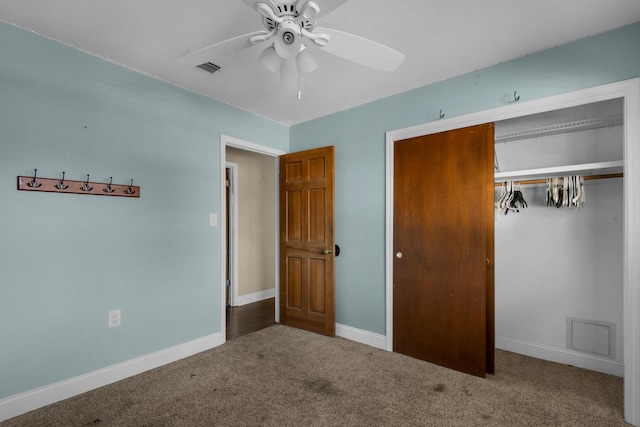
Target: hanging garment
(567, 191)
(510, 198)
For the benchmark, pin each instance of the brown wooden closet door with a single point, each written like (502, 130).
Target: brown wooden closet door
(307, 279)
(443, 246)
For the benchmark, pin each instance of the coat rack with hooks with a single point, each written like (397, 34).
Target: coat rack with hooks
(53, 185)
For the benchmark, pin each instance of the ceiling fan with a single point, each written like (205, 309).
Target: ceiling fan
(290, 37)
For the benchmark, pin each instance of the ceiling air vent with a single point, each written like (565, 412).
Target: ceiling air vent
(210, 67)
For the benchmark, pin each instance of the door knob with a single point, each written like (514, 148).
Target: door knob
(398, 254)
(327, 251)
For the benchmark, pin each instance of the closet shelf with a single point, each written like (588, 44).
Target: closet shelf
(579, 125)
(587, 169)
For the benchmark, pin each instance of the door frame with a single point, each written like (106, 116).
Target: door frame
(629, 90)
(232, 223)
(229, 141)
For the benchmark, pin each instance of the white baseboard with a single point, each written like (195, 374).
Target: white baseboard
(361, 336)
(256, 296)
(561, 355)
(539, 351)
(34, 399)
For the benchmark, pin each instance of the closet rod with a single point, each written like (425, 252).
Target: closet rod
(544, 181)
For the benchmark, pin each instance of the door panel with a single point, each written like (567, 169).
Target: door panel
(317, 224)
(293, 205)
(317, 289)
(307, 239)
(441, 241)
(294, 280)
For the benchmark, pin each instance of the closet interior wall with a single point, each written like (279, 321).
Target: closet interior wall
(559, 271)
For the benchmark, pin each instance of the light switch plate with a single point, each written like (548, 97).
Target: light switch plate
(213, 219)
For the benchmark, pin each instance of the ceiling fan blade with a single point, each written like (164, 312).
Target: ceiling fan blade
(289, 76)
(252, 4)
(216, 50)
(361, 51)
(326, 6)
(268, 11)
(318, 38)
(307, 10)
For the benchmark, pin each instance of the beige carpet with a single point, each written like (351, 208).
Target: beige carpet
(282, 376)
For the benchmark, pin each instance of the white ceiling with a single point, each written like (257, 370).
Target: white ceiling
(440, 39)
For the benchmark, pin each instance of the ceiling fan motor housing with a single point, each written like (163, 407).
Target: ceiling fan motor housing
(287, 10)
(288, 42)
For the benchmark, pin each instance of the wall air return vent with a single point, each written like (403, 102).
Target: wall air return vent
(591, 336)
(210, 67)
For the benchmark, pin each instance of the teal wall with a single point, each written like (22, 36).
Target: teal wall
(66, 260)
(359, 137)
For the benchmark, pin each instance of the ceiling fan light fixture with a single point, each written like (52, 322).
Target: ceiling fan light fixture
(289, 77)
(287, 42)
(270, 60)
(306, 62)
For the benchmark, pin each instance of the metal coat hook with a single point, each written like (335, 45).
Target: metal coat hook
(86, 187)
(129, 190)
(108, 188)
(60, 185)
(34, 183)
(441, 114)
(516, 97)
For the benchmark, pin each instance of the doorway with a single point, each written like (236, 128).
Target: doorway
(630, 92)
(251, 269)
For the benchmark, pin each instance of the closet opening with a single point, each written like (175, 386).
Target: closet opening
(559, 236)
(628, 93)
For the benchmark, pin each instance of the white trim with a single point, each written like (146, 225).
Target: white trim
(389, 174)
(561, 355)
(585, 168)
(276, 227)
(361, 336)
(630, 91)
(631, 275)
(229, 141)
(233, 233)
(250, 146)
(34, 399)
(256, 296)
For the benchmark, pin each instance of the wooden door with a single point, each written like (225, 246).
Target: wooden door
(443, 246)
(307, 291)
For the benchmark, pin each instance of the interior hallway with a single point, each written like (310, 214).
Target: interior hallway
(249, 318)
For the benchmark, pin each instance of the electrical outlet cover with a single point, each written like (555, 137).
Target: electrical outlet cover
(114, 318)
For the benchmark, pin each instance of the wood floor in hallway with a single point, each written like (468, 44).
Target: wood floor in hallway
(249, 318)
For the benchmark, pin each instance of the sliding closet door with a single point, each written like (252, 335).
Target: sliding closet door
(443, 246)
